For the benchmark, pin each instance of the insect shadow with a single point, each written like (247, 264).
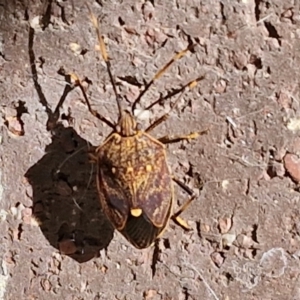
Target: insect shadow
(65, 199)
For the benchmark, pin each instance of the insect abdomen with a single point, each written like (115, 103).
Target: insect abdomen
(141, 232)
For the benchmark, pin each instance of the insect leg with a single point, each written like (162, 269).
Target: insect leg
(92, 111)
(53, 118)
(176, 216)
(77, 81)
(175, 139)
(160, 73)
(180, 91)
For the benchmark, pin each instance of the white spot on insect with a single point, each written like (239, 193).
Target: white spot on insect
(136, 212)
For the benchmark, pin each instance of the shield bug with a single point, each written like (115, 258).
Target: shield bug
(135, 183)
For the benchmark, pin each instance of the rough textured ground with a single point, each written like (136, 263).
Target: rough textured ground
(246, 222)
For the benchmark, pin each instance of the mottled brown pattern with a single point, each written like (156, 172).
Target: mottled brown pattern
(133, 173)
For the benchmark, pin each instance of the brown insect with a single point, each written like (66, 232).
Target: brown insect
(134, 181)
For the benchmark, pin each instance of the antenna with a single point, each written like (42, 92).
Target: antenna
(160, 73)
(105, 56)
